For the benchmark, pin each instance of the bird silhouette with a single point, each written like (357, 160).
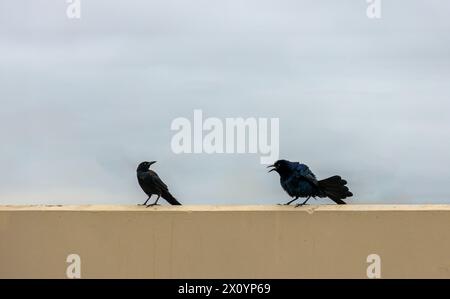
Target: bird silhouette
(153, 185)
(299, 181)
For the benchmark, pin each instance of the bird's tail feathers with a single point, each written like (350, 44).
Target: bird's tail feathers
(170, 199)
(334, 188)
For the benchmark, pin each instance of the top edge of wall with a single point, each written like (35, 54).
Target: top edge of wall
(223, 208)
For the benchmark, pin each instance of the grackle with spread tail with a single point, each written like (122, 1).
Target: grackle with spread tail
(299, 181)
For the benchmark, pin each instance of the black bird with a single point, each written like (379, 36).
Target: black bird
(153, 185)
(299, 181)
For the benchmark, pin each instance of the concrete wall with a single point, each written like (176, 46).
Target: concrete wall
(225, 241)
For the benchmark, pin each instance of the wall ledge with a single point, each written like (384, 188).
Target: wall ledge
(231, 208)
(214, 241)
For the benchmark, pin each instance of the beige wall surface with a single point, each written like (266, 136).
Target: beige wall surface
(225, 241)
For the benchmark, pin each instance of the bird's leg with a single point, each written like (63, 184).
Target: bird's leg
(288, 203)
(145, 203)
(303, 203)
(155, 203)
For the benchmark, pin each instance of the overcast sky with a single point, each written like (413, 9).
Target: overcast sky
(84, 101)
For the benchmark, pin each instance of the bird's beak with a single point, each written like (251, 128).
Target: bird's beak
(151, 163)
(274, 168)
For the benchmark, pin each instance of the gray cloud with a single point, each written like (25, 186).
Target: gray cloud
(84, 101)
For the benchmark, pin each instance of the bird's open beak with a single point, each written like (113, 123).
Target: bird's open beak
(272, 168)
(151, 163)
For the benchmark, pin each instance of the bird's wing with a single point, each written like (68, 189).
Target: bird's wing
(156, 181)
(303, 172)
(151, 183)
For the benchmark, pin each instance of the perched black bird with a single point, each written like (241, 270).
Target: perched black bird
(152, 184)
(299, 181)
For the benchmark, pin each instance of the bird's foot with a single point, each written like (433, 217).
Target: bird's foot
(301, 205)
(152, 205)
(288, 203)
